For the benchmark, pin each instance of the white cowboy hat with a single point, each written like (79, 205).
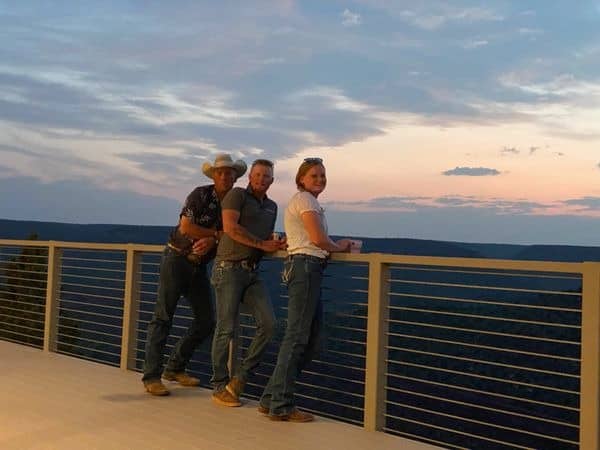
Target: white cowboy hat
(224, 160)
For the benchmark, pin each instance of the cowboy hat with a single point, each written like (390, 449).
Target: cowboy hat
(224, 160)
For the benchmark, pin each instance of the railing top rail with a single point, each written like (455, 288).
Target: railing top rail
(385, 258)
(83, 245)
(485, 263)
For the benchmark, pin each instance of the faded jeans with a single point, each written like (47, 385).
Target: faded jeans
(178, 277)
(303, 275)
(233, 286)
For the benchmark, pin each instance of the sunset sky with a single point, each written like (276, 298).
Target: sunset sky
(453, 120)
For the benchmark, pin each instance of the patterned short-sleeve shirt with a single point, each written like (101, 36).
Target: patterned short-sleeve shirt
(201, 207)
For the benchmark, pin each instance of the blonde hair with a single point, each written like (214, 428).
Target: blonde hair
(306, 165)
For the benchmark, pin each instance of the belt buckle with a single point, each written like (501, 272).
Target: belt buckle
(193, 258)
(248, 265)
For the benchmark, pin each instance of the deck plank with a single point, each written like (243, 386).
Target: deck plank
(53, 401)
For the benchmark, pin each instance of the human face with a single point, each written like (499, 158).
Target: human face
(314, 180)
(223, 177)
(260, 177)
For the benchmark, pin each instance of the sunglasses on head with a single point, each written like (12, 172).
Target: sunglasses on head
(313, 160)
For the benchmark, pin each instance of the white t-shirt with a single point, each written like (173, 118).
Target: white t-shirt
(297, 236)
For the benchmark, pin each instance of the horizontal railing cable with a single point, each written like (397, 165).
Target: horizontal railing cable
(481, 391)
(20, 294)
(95, 278)
(85, 294)
(28, 311)
(481, 361)
(479, 422)
(21, 287)
(99, 305)
(18, 325)
(478, 272)
(475, 406)
(102, 333)
(484, 377)
(479, 316)
(484, 302)
(90, 313)
(487, 288)
(94, 268)
(486, 347)
(480, 331)
(455, 431)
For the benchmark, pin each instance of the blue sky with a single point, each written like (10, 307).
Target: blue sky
(455, 120)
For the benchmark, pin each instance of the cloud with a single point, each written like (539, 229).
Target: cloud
(329, 97)
(532, 150)
(564, 103)
(429, 18)
(350, 19)
(133, 96)
(471, 172)
(586, 204)
(530, 31)
(389, 203)
(509, 150)
(475, 44)
(407, 203)
(598, 165)
(33, 200)
(451, 218)
(468, 225)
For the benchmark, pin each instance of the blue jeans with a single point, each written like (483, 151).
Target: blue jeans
(233, 286)
(178, 277)
(300, 344)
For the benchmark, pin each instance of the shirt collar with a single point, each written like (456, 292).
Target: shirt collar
(250, 191)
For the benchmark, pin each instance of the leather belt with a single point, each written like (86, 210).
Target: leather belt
(191, 257)
(244, 264)
(177, 249)
(311, 258)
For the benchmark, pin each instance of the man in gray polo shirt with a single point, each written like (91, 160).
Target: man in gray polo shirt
(248, 222)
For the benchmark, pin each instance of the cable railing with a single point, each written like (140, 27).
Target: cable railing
(23, 276)
(512, 335)
(90, 304)
(457, 352)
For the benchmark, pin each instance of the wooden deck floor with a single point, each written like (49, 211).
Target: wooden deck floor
(52, 401)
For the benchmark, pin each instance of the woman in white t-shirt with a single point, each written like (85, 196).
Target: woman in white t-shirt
(309, 245)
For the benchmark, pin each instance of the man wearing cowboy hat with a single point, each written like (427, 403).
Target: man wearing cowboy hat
(191, 245)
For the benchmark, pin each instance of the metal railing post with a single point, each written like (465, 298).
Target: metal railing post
(589, 437)
(52, 287)
(377, 326)
(130, 309)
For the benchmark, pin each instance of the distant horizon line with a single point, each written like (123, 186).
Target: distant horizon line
(335, 235)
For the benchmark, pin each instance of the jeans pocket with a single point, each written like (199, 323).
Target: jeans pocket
(287, 272)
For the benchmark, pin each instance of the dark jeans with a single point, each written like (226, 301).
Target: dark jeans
(178, 277)
(300, 344)
(233, 286)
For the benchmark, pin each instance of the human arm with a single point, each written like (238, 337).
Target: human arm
(314, 228)
(199, 211)
(196, 231)
(240, 234)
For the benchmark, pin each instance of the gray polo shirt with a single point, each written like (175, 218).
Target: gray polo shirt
(256, 216)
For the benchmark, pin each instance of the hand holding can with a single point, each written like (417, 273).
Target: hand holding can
(355, 245)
